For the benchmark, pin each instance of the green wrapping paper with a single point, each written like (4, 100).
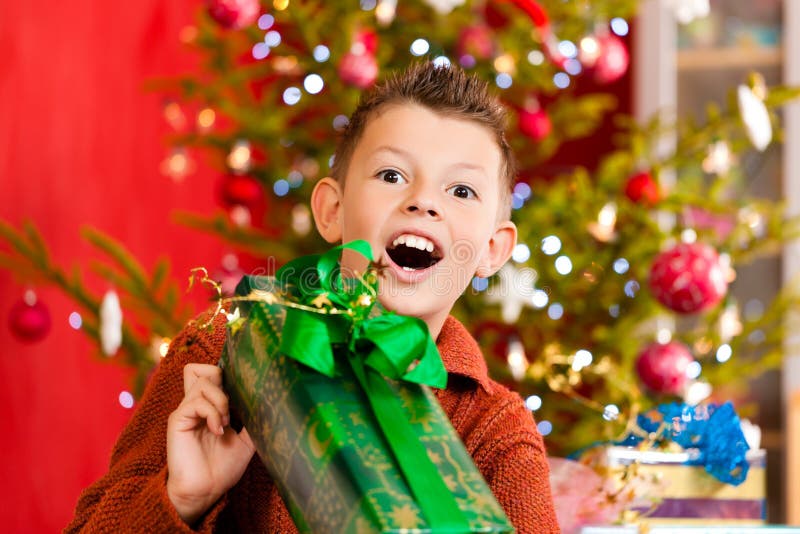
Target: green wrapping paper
(351, 449)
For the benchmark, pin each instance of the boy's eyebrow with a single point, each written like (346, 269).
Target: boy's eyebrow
(394, 150)
(409, 156)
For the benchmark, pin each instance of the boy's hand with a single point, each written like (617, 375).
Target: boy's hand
(205, 456)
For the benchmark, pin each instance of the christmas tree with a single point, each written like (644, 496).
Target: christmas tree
(579, 322)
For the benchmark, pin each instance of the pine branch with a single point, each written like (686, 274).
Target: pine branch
(32, 261)
(248, 239)
(143, 288)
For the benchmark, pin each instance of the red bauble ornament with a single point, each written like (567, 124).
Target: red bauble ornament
(359, 70)
(29, 319)
(662, 367)
(475, 41)
(613, 61)
(368, 39)
(239, 190)
(688, 278)
(494, 15)
(535, 124)
(234, 14)
(643, 189)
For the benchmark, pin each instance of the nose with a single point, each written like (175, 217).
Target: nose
(423, 207)
(421, 202)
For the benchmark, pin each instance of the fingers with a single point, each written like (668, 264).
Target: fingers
(192, 412)
(204, 398)
(194, 371)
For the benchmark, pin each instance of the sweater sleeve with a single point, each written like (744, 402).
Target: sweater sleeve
(514, 462)
(132, 495)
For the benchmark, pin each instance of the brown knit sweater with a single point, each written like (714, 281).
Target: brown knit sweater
(492, 421)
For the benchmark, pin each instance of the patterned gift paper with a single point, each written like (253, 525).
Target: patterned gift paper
(319, 440)
(687, 493)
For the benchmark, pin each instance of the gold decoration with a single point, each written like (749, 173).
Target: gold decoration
(405, 516)
(322, 301)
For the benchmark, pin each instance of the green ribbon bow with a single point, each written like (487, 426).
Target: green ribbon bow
(379, 347)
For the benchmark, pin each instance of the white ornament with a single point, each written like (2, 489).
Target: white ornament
(688, 10)
(756, 118)
(513, 292)
(443, 7)
(110, 323)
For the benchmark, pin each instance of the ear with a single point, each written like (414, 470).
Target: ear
(501, 245)
(326, 205)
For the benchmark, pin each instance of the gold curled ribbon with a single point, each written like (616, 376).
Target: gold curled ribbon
(193, 275)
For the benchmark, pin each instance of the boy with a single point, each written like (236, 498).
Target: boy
(424, 174)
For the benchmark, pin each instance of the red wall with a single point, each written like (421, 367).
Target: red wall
(81, 143)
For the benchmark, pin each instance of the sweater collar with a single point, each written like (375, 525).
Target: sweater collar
(461, 354)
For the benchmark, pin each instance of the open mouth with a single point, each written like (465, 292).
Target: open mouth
(413, 252)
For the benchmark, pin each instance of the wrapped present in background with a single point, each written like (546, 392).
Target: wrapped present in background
(352, 449)
(680, 492)
(685, 464)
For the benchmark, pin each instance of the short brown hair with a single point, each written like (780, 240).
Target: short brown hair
(446, 90)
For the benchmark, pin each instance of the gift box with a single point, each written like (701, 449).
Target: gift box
(328, 438)
(680, 492)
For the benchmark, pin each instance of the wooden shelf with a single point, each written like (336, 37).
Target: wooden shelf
(729, 58)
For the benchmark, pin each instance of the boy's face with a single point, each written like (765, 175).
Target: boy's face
(423, 189)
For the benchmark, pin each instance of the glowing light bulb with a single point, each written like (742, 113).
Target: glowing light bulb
(517, 362)
(611, 412)
(551, 245)
(163, 347)
(206, 119)
(535, 57)
(266, 21)
(563, 265)
(177, 165)
(724, 353)
(504, 63)
(174, 116)
(420, 47)
(126, 399)
(313, 83)
(582, 358)
(539, 299)
(321, 53)
(75, 320)
(521, 253)
(239, 157)
(385, 12)
(533, 403)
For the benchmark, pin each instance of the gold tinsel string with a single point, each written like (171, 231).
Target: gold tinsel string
(322, 303)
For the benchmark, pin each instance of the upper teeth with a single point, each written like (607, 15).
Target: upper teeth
(414, 241)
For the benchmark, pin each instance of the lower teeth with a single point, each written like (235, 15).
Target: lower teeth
(409, 269)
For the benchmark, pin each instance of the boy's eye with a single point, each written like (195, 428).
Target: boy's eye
(462, 191)
(391, 176)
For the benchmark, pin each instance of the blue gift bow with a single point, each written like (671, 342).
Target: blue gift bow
(715, 431)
